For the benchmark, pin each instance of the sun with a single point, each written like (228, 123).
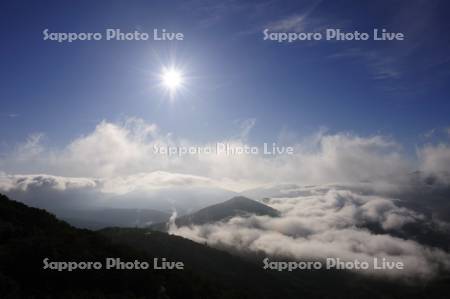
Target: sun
(172, 79)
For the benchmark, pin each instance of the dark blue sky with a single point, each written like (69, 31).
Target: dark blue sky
(394, 88)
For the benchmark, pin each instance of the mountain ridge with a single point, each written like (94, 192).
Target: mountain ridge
(236, 206)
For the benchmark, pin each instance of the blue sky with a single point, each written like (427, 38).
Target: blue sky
(392, 88)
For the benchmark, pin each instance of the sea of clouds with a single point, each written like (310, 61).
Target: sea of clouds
(337, 187)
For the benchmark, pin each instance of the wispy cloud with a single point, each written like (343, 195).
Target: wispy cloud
(245, 127)
(9, 115)
(210, 12)
(297, 22)
(380, 64)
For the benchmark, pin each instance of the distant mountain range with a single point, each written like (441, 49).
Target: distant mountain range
(102, 218)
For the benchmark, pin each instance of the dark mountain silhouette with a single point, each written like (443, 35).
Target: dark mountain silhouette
(28, 235)
(237, 206)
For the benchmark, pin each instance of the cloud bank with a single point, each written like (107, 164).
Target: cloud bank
(157, 190)
(329, 223)
(128, 148)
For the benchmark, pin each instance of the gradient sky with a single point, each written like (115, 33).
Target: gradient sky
(398, 89)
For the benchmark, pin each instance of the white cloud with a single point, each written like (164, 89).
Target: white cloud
(127, 148)
(435, 160)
